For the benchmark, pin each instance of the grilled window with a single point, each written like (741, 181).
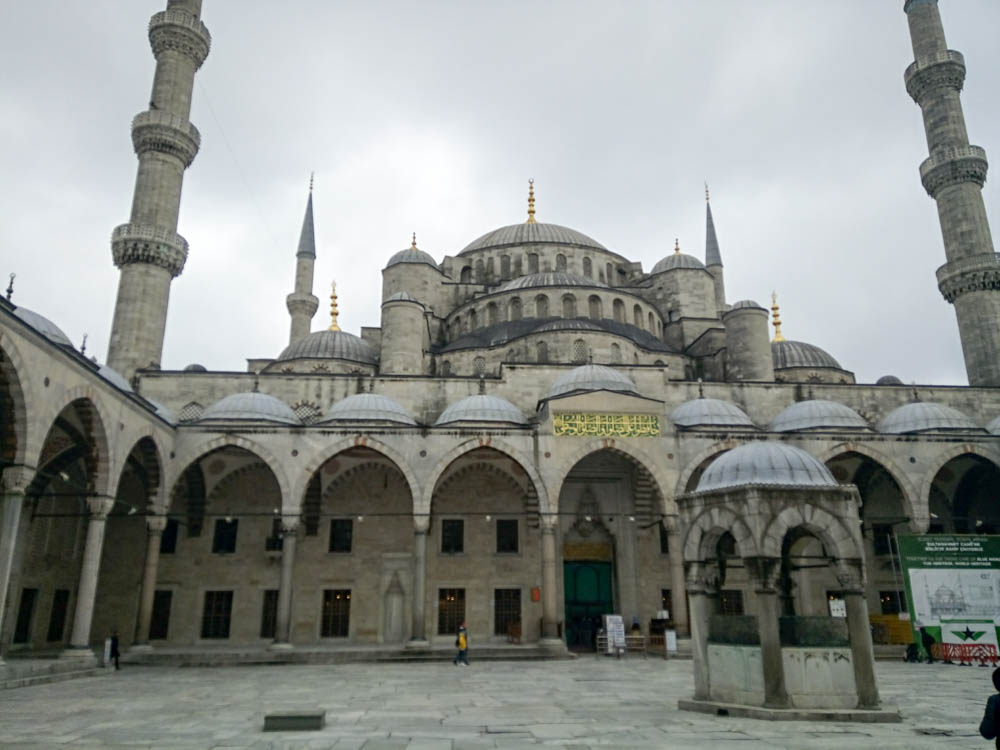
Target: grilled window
(506, 535)
(506, 610)
(336, 618)
(451, 610)
(341, 534)
(216, 616)
(452, 536)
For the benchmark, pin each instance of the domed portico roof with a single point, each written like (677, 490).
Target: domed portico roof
(368, 407)
(765, 463)
(330, 345)
(44, 326)
(482, 408)
(925, 417)
(592, 378)
(710, 412)
(532, 234)
(817, 414)
(255, 407)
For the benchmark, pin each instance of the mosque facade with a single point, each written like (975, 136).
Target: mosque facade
(512, 445)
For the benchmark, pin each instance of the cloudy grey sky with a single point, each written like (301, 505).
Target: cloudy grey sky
(430, 117)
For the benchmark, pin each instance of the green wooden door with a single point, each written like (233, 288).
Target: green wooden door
(588, 596)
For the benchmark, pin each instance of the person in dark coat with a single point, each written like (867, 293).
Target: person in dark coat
(927, 640)
(988, 726)
(115, 654)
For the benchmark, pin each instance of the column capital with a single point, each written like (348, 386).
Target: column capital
(16, 480)
(421, 523)
(701, 577)
(100, 507)
(156, 524)
(850, 576)
(290, 525)
(763, 572)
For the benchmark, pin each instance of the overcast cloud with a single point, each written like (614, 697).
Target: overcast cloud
(431, 116)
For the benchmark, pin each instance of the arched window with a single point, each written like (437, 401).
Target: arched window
(532, 262)
(541, 306)
(588, 268)
(637, 316)
(619, 311)
(560, 262)
(569, 306)
(515, 309)
(652, 323)
(596, 308)
(616, 354)
(473, 320)
(579, 351)
(490, 269)
(479, 366)
(492, 317)
(504, 267)
(480, 271)
(466, 275)
(446, 368)
(608, 275)
(542, 352)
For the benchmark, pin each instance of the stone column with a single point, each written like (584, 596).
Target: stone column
(79, 643)
(283, 626)
(768, 611)
(862, 651)
(550, 601)
(418, 638)
(702, 587)
(678, 589)
(155, 526)
(10, 520)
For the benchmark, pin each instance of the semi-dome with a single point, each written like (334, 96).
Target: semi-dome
(195, 367)
(256, 407)
(768, 463)
(411, 255)
(592, 378)
(532, 234)
(818, 414)
(115, 378)
(549, 278)
(166, 414)
(994, 426)
(368, 407)
(710, 412)
(787, 354)
(925, 416)
(482, 409)
(676, 260)
(888, 380)
(44, 326)
(330, 345)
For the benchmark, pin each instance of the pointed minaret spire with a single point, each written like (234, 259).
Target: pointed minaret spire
(531, 202)
(334, 312)
(777, 317)
(301, 303)
(713, 258)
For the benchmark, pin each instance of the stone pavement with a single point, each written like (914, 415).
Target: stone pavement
(585, 703)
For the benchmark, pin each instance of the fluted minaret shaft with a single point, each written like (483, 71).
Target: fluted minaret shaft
(301, 303)
(953, 176)
(148, 249)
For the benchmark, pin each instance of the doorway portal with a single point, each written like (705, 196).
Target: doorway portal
(588, 596)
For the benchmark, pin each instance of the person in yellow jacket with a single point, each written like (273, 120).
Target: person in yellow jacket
(462, 644)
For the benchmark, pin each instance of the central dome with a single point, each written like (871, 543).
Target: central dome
(532, 234)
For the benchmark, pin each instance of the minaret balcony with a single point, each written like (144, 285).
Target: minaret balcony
(166, 133)
(972, 274)
(179, 31)
(953, 166)
(943, 69)
(145, 243)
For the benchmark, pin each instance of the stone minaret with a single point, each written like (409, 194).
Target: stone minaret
(954, 176)
(301, 303)
(148, 249)
(713, 257)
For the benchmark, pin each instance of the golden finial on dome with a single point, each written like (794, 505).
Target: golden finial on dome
(677, 246)
(413, 245)
(333, 307)
(531, 202)
(777, 317)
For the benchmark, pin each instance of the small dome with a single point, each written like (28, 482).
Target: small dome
(568, 324)
(330, 345)
(113, 377)
(163, 412)
(257, 407)
(925, 417)
(411, 255)
(765, 462)
(550, 278)
(744, 304)
(676, 260)
(710, 412)
(994, 426)
(44, 326)
(195, 367)
(367, 407)
(888, 380)
(403, 297)
(482, 409)
(592, 378)
(815, 414)
(532, 234)
(787, 354)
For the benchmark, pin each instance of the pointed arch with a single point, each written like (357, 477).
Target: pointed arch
(709, 526)
(948, 454)
(149, 457)
(13, 372)
(828, 528)
(911, 498)
(91, 411)
(356, 441)
(698, 462)
(195, 452)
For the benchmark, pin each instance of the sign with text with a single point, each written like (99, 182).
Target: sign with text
(606, 425)
(614, 626)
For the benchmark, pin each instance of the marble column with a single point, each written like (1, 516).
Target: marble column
(10, 520)
(155, 526)
(79, 643)
(862, 651)
(283, 624)
(550, 605)
(702, 585)
(768, 611)
(418, 638)
(678, 587)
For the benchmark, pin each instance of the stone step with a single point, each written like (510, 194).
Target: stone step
(41, 678)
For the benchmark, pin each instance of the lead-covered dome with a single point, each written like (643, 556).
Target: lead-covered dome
(818, 414)
(766, 463)
(330, 345)
(368, 407)
(411, 255)
(710, 412)
(532, 234)
(888, 380)
(787, 354)
(44, 326)
(925, 417)
(482, 409)
(677, 260)
(592, 378)
(255, 407)
(115, 378)
(549, 278)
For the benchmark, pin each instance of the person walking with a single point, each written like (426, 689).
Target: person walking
(462, 644)
(988, 727)
(927, 641)
(114, 653)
